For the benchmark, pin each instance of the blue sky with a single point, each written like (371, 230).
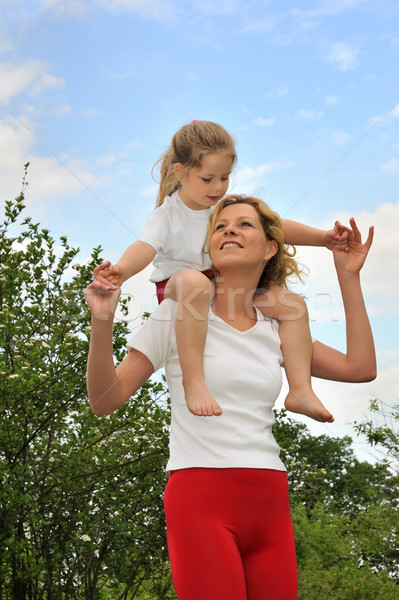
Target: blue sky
(91, 93)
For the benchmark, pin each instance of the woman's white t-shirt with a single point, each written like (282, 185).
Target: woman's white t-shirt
(242, 372)
(177, 233)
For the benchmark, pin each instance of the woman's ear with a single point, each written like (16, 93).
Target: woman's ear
(272, 248)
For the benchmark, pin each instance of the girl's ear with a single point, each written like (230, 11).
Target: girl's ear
(178, 170)
(272, 248)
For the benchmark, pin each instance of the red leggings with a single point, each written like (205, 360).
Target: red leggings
(230, 535)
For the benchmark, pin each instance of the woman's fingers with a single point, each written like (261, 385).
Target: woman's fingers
(370, 238)
(104, 284)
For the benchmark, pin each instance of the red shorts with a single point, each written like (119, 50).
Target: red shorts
(161, 285)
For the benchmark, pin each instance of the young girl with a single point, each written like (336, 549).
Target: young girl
(195, 172)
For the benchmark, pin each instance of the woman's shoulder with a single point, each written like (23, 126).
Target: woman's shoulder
(165, 312)
(261, 317)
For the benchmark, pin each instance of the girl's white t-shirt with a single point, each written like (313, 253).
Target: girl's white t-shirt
(242, 372)
(177, 233)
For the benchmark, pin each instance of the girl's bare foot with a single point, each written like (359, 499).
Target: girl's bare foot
(305, 402)
(199, 400)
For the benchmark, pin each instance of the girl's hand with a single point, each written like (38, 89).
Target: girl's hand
(331, 237)
(337, 236)
(350, 257)
(101, 296)
(111, 273)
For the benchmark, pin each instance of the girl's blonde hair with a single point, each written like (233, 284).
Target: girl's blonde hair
(282, 265)
(188, 146)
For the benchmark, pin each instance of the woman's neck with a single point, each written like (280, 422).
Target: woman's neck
(233, 300)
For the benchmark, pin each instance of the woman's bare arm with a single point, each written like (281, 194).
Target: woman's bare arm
(359, 362)
(109, 387)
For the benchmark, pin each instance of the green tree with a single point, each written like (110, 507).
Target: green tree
(381, 521)
(325, 469)
(332, 563)
(382, 432)
(80, 496)
(345, 515)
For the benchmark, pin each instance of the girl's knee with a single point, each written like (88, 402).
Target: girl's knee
(189, 282)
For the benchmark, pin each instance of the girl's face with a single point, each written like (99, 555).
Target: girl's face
(203, 187)
(239, 239)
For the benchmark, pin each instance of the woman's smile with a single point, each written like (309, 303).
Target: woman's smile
(230, 245)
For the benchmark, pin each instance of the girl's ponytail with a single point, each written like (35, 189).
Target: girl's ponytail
(169, 183)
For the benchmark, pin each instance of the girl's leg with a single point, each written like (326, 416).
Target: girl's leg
(296, 345)
(193, 292)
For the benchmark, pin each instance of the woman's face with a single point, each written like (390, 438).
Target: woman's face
(239, 239)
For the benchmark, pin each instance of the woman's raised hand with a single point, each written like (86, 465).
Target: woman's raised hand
(350, 258)
(101, 295)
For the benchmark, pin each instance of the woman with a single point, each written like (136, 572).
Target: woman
(226, 502)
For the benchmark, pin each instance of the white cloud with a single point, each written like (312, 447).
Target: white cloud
(5, 42)
(222, 7)
(394, 111)
(262, 122)
(122, 155)
(90, 112)
(344, 55)
(107, 159)
(15, 142)
(76, 9)
(386, 117)
(48, 177)
(47, 82)
(349, 402)
(276, 94)
(309, 115)
(150, 191)
(259, 26)
(70, 8)
(324, 9)
(389, 356)
(340, 137)
(62, 110)
(331, 100)
(380, 283)
(391, 167)
(247, 173)
(291, 23)
(15, 79)
(156, 9)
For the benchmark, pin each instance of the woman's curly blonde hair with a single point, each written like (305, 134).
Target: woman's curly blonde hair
(280, 267)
